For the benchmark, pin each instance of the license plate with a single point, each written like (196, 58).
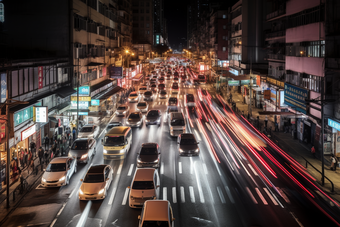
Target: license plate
(52, 185)
(90, 197)
(189, 155)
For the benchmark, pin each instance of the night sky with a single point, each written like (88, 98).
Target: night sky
(175, 12)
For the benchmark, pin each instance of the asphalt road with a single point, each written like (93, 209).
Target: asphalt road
(226, 185)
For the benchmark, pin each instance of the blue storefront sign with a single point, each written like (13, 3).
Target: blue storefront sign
(233, 82)
(95, 102)
(334, 124)
(3, 87)
(83, 113)
(233, 71)
(296, 97)
(84, 91)
(24, 115)
(116, 72)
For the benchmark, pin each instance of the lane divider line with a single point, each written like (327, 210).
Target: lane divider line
(205, 169)
(174, 198)
(221, 194)
(192, 194)
(165, 192)
(130, 170)
(162, 168)
(84, 215)
(125, 196)
(112, 195)
(270, 196)
(261, 196)
(252, 169)
(182, 194)
(180, 167)
(251, 195)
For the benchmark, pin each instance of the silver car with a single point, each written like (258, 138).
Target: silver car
(89, 131)
(123, 110)
(83, 149)
(135, 119)
(59, 172)
(133, 97)
(142, 107)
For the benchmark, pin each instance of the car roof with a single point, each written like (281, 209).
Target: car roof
(145, 174)
(156, 210)
(59, 160)
(118, 130)
(149, 145)
(96, 169)
(187, 136)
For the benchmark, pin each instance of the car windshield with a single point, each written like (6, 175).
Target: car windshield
(190, 98)
(155, 224)
(201, 77)
(163, 92)
(152, 114)
(188, 141)
(142, 185)
(173, 100)
(122, 108)
(134, 116)
(86, 129)
(94, 178)
(177, 122)
(142, 88)
(175, 109)
(148, 151)
(141, 104)
(153, 85)
(56, 167)
(133, 94)
(114, 140)
(80, 145)
(175, 93)
(148, 93)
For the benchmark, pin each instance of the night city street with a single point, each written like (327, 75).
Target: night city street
(202, 113)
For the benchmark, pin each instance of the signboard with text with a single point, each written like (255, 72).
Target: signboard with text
(81, 98)
(295, 97)
(116, 72)
(28, 132)
(95, 102)
(40, 114)
(334, 124)
(84, 91)
(3, 87)
(82, 105)
(234, 83)
(40, 76)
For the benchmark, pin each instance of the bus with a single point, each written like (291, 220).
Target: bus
(202, 79)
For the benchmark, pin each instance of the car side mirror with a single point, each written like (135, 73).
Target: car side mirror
(126, 142)
(128, 186)
(81, 179)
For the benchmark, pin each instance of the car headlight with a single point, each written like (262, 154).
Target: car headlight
(156, 161)
(104, 151)
(139, 122)
(147, 120)
(84, 156)
(62, 179)
(124, 112)
(101, 191)
(127, 123)
(81, 192)
(139, 161)
(158, 120)
(197, 150)
(91, 135)
(44, 180)
(69, 155)
(122, 151)
(180, 150)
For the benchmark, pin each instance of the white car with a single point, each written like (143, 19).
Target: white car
(144, 186)
(59, 172)
(89, 131)
(142, 89)
(142, 107)
(123, 110)
(133, 97)
(96, 183)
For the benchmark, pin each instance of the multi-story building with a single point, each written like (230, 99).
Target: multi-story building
(43, 60)
(158, 22)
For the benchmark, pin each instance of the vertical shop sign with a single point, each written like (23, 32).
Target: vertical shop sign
(3, 87)
(40, 76)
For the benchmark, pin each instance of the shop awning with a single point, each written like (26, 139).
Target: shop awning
(53, 119)
(65, 91)
(110, 93)
(278, 113)
(138, 77)
(101, 84)
(95, 64)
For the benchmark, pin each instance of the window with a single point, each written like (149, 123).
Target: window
(224, 48)
(147, 18)
(147, 11)
(142, 11)
(224, 26)
(223, 37)
(135, 25)
(2, 12)
(147, 4)
(142, 18)
(307, 16)
(147, 25)
(79, 23)
(306, 49)
(92, 4)
(224, 16)
(135, 11)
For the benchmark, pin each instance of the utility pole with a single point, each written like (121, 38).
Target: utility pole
(77, 101)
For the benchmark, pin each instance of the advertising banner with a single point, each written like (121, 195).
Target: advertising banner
(295, 97)
(233, 82)
(40, 76)
(82, 105)
(3, 87)
(81, 98)
(95, 102)
(116, 72)
(266, 94)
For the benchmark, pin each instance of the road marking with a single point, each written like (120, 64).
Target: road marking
(297, 220)
(162, 168)
(180, 167)
(84, 215)
(198, 136)
(174, 198)
(165, 192)
(74, 190)
(220, 194)
(130, 170)
(61, 210)
(200, 192)
(205, 168)
(251, 195)
(261, 196)
(112, 195)
(182, 194)
(192, 194)
(283, 195)
(125, 196)
(120, 168)
(40, 187)
(53, 222)
(255, 173)
(270, 196)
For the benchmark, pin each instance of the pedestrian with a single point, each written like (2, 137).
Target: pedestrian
(47, 142)
(14, 168)
(333, 163)
(32, 165)
(33, 148)
(265, 121)
(21, 157)
(276, 127)
(26, 157)
(46, 157)
(74, 133)
(30, 157)
(41, 155)
(312, 150)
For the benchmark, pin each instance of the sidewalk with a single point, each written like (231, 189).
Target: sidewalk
(297, 149)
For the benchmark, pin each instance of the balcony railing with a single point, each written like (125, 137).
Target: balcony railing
(277, 56)
(275, 34)
(276, 13)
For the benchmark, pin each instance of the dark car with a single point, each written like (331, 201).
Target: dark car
(161, 86)
(149, 156)
(162, 94)
(153, 87)
(148, 96)
(161, 80)
(174, 86)
(173, 101)
(187, 144)
(153, 117)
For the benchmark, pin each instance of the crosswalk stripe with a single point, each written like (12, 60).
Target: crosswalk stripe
(130, 170)
(180, 167)
(270, 196)
(261, 196)
(165, 191)
(205, 168)
(284, 196)
(229, 194)
(255, 173)
(251, 195)
(174, 198)
(162, 168)
(192, 194)
(125, 196)
(182, 194)
(220, 194)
